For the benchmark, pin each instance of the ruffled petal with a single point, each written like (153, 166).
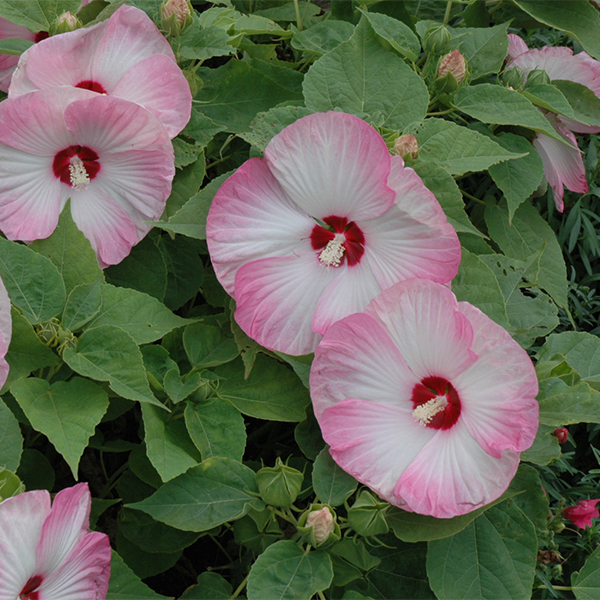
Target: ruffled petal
(85, 573)
(5, 331)
(129, 38)
(349, 293)
(358, 359)
(333, 164)
(10, 30)
(252, 217)
(423, 321)
(413, 239)
(158, 84)
(563, 165)
(498, 392)
(276, 299)
(452, 475)
(561, 63)
(516, 46)
(67, 523)
(21, 521)
(8, 64)
(578, 127)
(105, 224)
(373, 442)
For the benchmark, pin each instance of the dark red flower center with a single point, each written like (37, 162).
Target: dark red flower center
(342, 241)
(88, 84)
(30, 590)
(76, 166)
(436, 403)
(41, 35)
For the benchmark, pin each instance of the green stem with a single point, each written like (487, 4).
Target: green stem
(442, 112)
(239, 589)
(321, 596)
(298, 17)
(564, 588)
(447, 13)
(471, 197)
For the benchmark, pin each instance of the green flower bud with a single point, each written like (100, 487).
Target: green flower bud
(367, 515)
(65, 23)
(536, 77)
(453, 63)
(318, 525)
(175, 16)
(279, 485)
(513, 78)
(436, 39)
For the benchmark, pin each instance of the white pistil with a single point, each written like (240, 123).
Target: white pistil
(424, 413)
(332, 254)
(79, 176)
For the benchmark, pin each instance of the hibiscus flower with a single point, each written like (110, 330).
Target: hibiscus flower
(425, 399)
(316, 229)
(582, 513)
(48, 553)
(125, 56)
(5, 332)
(112, 158)
(563, 165)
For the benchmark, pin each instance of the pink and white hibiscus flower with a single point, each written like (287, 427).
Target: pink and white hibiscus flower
(125, 56)
(112, 158)
(5, 332)
(425, 400)
(316, 229)
(563, 165)
(48, 553)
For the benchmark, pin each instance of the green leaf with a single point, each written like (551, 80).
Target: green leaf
(265, 125)
(11, 439)
(107, 353)
(484, 48)
(527, 235)
(35, 14)
(477, 284)
(284, 570)
(143, 317)
(203, 43)
(200, 128)
(188, 154)
(580, 349)
(179, 389)
(236, 92)
(70, 252)
(66, 412)
(216, 428)
(549, 97)
(190, 220)
(26, 352)
(271, 391)
(397, 34)
(168, 444)
(256, 25)
(14, 47)
(186, 184)
(545, 447)
(356, 77)
(562, 404)
(532, 498)
(585, 104)
(210, 586)
(578, 18)
(144, 269)
(495, 104)
(519, 178)
(331, 483)
(455, 148)
(586, 583)
(143, 563)
(125, 585)
(448, 194)
(32, 281)
(208, 346)
(83, 304)
(10, 484)
(322, 37)
(211, 493)
(494, 557)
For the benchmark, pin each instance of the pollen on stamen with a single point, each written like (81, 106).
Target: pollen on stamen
(424, 413)
(332, 254)
(79, 176)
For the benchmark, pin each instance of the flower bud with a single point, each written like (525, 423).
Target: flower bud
(279, 485)
(175, 16)
(561, 434)
(582, 513)
(367, 515)
(406, 146)
(318, 525)
(436, 39)
(453, 63)
(65, 23)
(513, 78)
(536, 77)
